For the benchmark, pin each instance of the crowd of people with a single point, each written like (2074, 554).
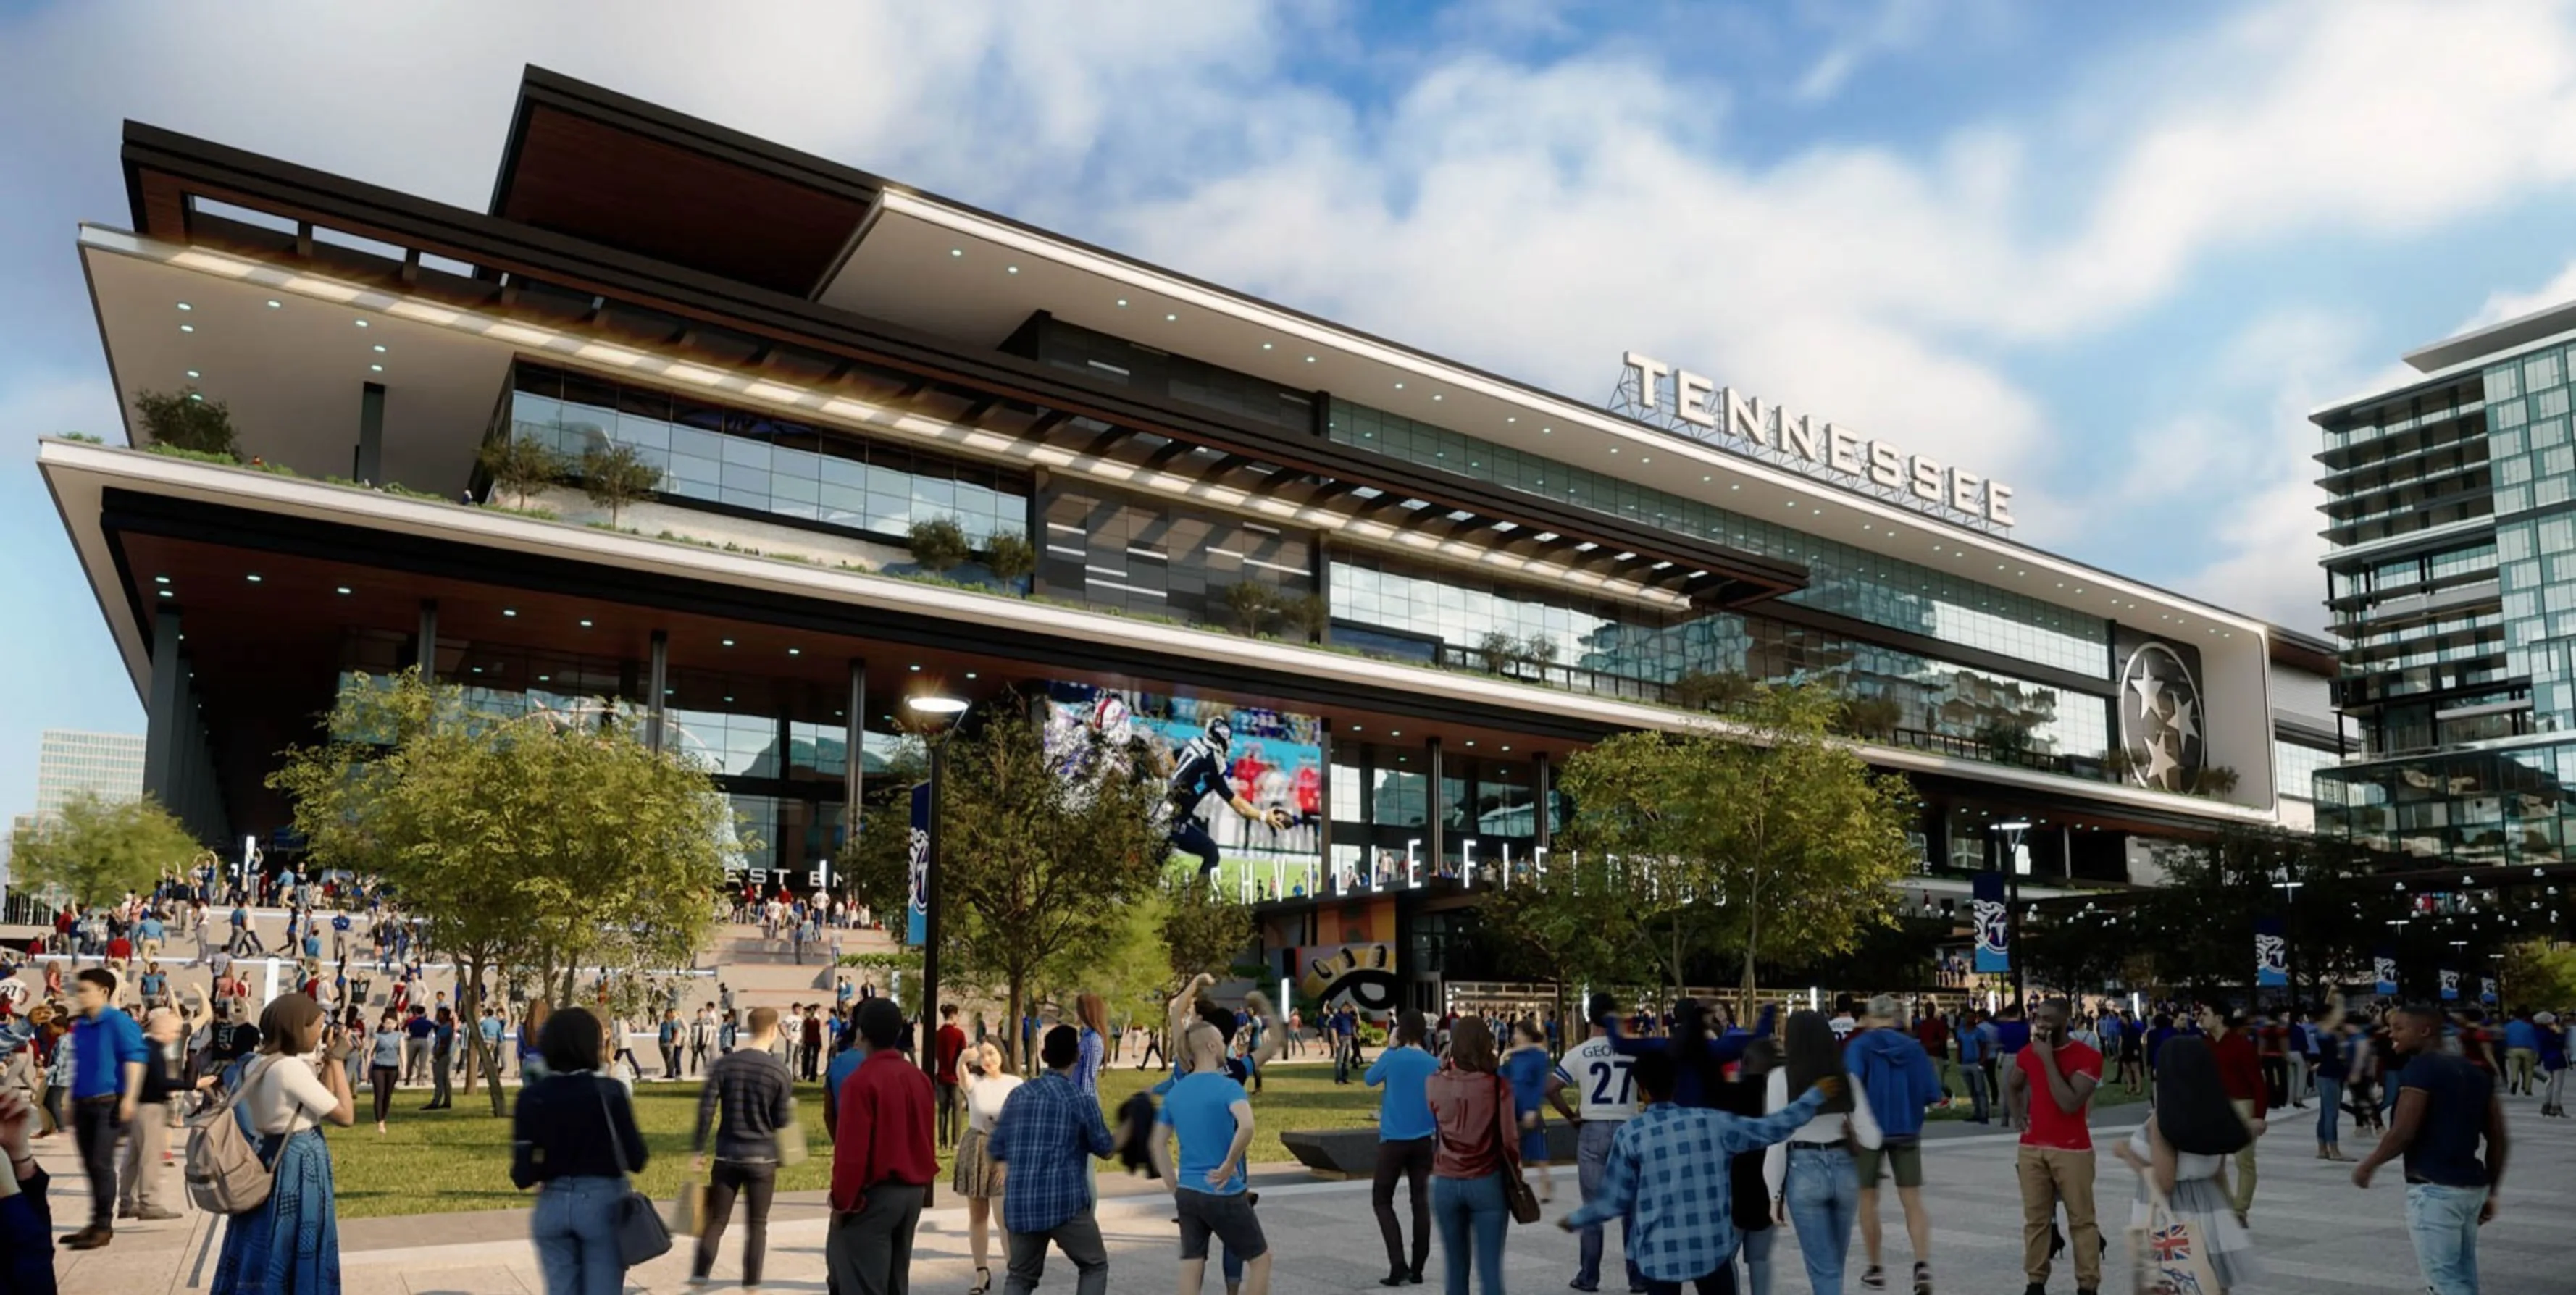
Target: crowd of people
(1700, 1134)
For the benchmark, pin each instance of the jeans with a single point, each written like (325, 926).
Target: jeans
(754, 1181)
(1408, 1159)
(1756, 1249)
(95, 1128)
(1823, 1194)
(1080, 1238)
(441, 1065)
(2443, 1222)
(575, 1227)
(1462, 1205)
(1591, 1161)
(1976, 1090)
(2329, 1111)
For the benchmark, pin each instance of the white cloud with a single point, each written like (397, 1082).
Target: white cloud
(1874, 31)
(2503, 304)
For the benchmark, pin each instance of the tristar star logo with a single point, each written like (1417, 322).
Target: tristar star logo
(2161, 720)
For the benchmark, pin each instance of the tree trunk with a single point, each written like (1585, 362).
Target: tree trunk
(1752, 942)
(469, 1012)
(1012, 1031)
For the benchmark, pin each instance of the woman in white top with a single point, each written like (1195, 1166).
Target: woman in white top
(2181, 1156)
(977, 1177)
(1813, 1182)
(291, 1243)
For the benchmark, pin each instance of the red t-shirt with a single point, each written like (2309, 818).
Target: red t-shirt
(2049, 1126)
(2240, 1072)
(952, 1042)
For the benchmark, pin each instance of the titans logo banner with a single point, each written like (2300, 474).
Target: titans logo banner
(1994, 924)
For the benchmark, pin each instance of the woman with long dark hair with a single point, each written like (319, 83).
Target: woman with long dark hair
(1471, 1106)
(290, 1245)
(384, 1064)
(1750, 1202)
(2181, 1155)
(1812, 1175)
(574, 1131)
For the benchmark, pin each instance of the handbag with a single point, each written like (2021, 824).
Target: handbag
(2170, 1255)
(689, 1209)
(791, 1143)
(1516, 1190)
(641, 1235)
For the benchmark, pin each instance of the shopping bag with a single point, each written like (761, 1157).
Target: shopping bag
(689, 1210)
(2171, 1256)
(791, 1144)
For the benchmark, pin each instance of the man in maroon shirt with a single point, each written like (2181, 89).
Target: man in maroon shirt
(1934, 1034)
(882, 1161)
(951, 1044)
(2240, 1072)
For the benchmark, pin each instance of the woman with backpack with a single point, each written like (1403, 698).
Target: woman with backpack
(289, 1244)
(574, 1131)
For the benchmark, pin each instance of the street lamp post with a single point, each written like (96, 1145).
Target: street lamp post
(2009, 835)
(936, 713)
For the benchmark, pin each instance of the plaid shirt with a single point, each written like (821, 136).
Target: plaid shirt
(1668, 1178)
(1046, 1129)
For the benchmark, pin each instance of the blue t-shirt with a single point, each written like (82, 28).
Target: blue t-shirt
(149, 928)
(843, 1062)
(1404, 1113)
(101, 1045)
(2445, 1149)
(1200, 1109)
(2520, 1033)
(2011, 1036)
(1527, 1068)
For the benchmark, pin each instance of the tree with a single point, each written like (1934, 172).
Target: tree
(186, 420)
(1872, 716)
(1202, 928)
(1500, 652)
(939, 544)
(520, 464)
(1252, 606)
(98, 850)
(1772, 841)
(527, 842)
(2537, 974)
(1037, 864)
(1312, 614)
(1539, 653)
(1721, 690)
(1573, 923)
(615, 475)
(1010, 557)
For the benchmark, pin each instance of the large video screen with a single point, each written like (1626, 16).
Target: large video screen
(1245, 786)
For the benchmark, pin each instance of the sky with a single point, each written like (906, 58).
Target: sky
(2111, 254)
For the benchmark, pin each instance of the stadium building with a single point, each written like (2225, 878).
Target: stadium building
(1409, 588)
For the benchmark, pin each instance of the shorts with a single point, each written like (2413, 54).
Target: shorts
(1904, 1158)
(1229, 1217)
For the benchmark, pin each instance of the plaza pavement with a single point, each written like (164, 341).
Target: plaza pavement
(2317, 1233)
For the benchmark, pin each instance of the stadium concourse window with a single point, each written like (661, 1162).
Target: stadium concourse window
(762, 463)
(1842, 579)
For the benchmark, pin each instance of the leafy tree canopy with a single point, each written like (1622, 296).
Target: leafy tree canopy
(97, 850)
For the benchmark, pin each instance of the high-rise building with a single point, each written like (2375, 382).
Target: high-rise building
(2451, 576)
(1408, 588)
(68, 762)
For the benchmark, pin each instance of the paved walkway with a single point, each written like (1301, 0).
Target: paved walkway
(2318, 1234)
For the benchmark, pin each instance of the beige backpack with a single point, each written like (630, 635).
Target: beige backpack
(224, 1172)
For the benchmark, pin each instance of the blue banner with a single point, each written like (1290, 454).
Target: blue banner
(2383, 969)
(2487, 990)
(2450, 985)
(1994, 925)
(918, 919)
(2271, 954)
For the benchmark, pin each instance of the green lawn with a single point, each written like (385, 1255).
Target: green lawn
(440, 1161)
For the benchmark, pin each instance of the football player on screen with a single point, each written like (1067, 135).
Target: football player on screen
(1199, 772)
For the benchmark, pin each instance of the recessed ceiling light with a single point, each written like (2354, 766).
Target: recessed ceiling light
(166, 594)
(728, 697)
(916, 669)
(192, 373)
(187, 328)
(1122, 301)
(1010, 269)
(341, 590)
(1513, 418)
(194, 396)
(1310, 359)
(375, 368)
(185, 306)
(478, 669)
(1399, 386)
(362, 323)
(253, 577)
(380, 349)
(795, 651)
(957, 251)
(1507, 748)
(1435, 395)
(1357, 729)
(273, 303)
(160, 580)
(585, 624)
(1172, 318)
(1395, 732)
(545, 678)
(1265, 346)
(970, 674)
(728, 642)
(512, 611)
